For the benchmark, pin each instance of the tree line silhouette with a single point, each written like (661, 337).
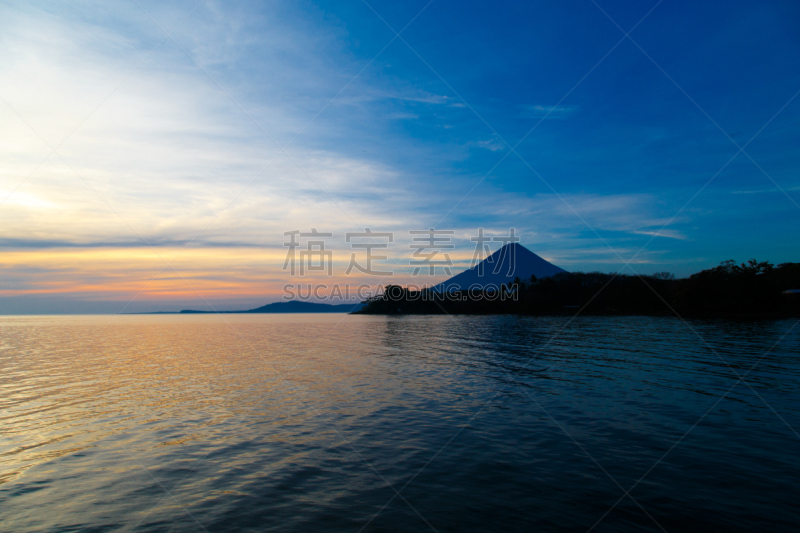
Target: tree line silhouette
(752, 289)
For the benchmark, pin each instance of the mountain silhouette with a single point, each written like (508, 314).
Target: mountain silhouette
(295, 306)
(292, 306)
(509, 262)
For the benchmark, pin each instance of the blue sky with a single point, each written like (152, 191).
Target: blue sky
(163, 141)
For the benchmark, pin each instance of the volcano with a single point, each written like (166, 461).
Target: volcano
(509, 262)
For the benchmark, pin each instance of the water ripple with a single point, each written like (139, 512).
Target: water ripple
(311, 423)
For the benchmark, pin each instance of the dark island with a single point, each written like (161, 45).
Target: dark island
(753, 289)
(292, 306)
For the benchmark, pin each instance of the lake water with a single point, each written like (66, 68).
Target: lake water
(368, 423)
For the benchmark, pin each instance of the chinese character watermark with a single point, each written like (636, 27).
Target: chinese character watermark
(368, 246)
(482, 254)
(435, 244)
(314, 249)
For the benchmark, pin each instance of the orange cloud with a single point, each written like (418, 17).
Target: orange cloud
(210, 273)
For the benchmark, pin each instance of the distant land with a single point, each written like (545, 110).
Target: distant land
(293, 306)
(748, 290)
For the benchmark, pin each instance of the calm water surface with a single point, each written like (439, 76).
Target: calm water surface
(350, 423)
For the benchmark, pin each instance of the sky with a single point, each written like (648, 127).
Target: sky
(154, 154)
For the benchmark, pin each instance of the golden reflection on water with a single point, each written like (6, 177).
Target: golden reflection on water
(70, 383)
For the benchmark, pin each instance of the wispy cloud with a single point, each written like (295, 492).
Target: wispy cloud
(667, 233)
(491, 144)
(402, 116)
(763, 191)
(168, 151)
(549, 111)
